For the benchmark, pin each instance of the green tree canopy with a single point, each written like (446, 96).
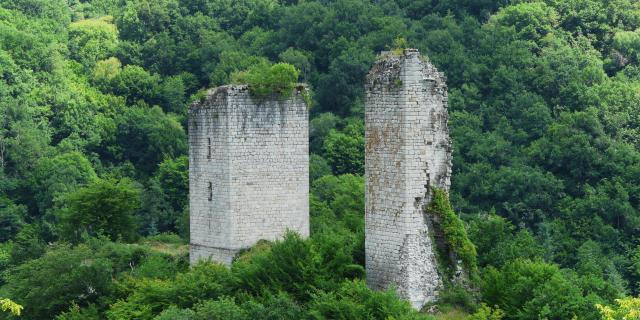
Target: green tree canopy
(91, 40)
(105, 207)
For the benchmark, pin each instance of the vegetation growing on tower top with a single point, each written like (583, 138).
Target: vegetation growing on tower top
(265, 79)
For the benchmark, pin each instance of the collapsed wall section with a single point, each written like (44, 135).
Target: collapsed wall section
(407, 152)
(248, 171)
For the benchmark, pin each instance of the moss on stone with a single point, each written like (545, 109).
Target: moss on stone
(453, 230)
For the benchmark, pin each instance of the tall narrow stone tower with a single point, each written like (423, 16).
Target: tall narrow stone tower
(248, 171)
(408, 151)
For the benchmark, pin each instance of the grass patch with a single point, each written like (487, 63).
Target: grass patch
(451, 314)
(167, 243)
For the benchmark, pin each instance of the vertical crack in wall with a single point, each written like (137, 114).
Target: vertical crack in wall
(408, 152)
(248, 170)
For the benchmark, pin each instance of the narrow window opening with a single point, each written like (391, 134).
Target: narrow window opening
(208, 148)
(210, 191)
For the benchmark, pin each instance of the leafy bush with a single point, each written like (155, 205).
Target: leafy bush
(318, 167)
(625, 309)
(487, 313)
(291, 266)
(82, 280)
(92, 39)
(527, 289)
(62, 275)
(500, 241)
(265, 80)
(7, 305)
(105, 207)
(170, 238)
(175, 313)
(354, 300)
(458, 297)
(222, 309)
(148, 297)
(345, 149)
(274, 307)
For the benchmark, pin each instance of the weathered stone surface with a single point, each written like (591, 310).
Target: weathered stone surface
(408, 150)
(248, 171)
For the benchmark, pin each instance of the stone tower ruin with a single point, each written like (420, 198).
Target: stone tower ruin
(248, 171)
(408, 151)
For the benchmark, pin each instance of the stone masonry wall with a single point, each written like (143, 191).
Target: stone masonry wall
(408, 150)
(248, 171)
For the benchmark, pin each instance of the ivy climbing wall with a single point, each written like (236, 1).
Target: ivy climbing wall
(408, 150)
(248, 171)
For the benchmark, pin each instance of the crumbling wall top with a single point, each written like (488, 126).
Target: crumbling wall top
(387, 69)
(216, 94)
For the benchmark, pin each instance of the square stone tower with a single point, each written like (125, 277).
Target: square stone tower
(408, 151)
(248, 171)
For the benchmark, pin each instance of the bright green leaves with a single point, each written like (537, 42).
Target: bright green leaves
(344, 149)
(231, 64)
(532, 20)
(135, 83)
(625, 309)
(627, 44)
(148, 297)
(91, 40)
(105, 70)
(264, 80)
(7, 305)
(292, 266)
(282, 78)
(56, 176)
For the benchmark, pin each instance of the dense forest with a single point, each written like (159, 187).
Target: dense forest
(544, 102)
